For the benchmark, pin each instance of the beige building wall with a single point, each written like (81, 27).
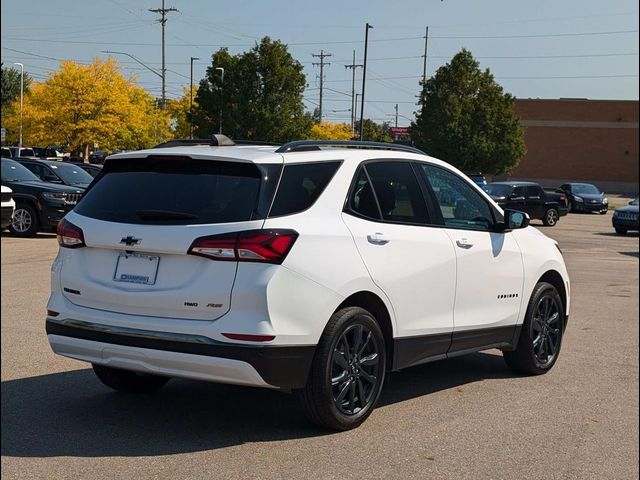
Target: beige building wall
(594, 141)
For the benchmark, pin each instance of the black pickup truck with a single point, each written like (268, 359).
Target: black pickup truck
(531, 198)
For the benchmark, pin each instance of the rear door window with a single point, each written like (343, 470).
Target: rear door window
(534, 193)
(389, 191)
(301, 185)
(179, 191)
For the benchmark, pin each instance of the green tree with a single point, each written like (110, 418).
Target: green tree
(10, 88)
(179, 109)
(260, 97)
(372, 131)
(467, 120)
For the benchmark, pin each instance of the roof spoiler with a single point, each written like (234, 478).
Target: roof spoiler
(216, 140)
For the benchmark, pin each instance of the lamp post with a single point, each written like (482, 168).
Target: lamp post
(191, 99)
(221, 69)
(364, 76)
(21, 104)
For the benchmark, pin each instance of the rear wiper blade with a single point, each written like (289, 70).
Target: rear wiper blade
(164, 215)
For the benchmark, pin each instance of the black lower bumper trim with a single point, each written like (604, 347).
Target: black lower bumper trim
(284, 367)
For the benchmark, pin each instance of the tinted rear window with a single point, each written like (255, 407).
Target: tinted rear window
(179, 192)
(301, 185)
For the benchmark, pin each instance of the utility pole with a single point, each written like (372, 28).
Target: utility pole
(163, 21)
(396, 115)
(364, 77)
(21, 106)
(191, 98)
(322, 63)
(424, 64)
(353, 67)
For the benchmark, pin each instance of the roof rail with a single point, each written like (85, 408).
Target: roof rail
(306, 145)
(216, 140)
(257, 143)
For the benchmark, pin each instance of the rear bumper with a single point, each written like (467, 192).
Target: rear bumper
(180, 355)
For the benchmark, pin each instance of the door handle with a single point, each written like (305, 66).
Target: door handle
(377, 239)
(464, 243)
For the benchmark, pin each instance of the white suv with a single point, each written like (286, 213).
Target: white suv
(306, 267)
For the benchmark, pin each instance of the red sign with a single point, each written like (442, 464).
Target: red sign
(399, 131)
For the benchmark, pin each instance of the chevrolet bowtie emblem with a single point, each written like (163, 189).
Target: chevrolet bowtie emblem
(129, 241)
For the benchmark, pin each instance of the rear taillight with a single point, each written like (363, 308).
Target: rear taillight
(266, 246)
(69, 236)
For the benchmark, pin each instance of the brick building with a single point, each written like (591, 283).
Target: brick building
(594, 141)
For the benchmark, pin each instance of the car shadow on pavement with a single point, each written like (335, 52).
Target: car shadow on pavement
(73, 414)
(630, 254)
(614, 234)
(39, 235)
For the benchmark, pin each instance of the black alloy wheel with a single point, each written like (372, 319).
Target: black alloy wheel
(347, 372)
(546, 330)
(541, 335)
(355, 369)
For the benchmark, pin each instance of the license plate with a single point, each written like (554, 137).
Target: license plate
(137, 268)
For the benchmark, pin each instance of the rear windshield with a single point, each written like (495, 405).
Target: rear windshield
(179, 191)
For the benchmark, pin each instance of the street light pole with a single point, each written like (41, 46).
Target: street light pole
(21, 104)
(191, 99)
(364, 77)
(221, 96)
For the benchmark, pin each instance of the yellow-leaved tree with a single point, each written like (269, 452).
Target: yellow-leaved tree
(330, 131)
(82, 105)
(178, 110)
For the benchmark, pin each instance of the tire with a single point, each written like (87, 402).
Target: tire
(25, 221)
(540, 339)
(621, 231)
(129, 381)
(551, 217)
(347, 374)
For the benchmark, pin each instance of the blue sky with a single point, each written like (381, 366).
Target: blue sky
(541, 49)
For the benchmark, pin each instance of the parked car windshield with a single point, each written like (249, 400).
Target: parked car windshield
(71, 174)
(12, 171)
(498, 190)
(579, 188)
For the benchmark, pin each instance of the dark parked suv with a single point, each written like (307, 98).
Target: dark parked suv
(54, 171)
(39, 205)
(531, 198)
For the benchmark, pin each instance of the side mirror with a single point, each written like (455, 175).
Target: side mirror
(514, 220)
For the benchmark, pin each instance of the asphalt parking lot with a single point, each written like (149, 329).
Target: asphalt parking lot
(468, 417)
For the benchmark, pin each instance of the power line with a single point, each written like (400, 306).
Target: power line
(336, 42)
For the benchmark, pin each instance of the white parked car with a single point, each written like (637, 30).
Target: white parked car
(307, 268)
(8, 207)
